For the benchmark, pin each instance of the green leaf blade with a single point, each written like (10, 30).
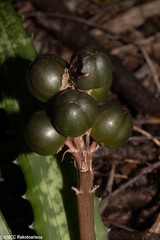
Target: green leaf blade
(48, 183)
(44, 181)
(100, 229)
(4, 229)
(13, 41)
(42, 174)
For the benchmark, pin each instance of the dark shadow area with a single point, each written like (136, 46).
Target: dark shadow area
(17, 211)
(13, 85)
(69, 196)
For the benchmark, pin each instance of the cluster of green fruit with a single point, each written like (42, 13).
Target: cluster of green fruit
(72, 93)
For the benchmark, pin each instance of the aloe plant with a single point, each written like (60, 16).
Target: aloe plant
(4, 230)
(48, 179)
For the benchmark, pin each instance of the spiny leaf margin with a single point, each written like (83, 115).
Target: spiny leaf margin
(42, 174)
(46, 199)
(44, 180)
(4, 229)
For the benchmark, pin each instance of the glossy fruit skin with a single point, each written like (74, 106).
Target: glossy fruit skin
(40, 135)
(90, 69)
(44, 76)
(73, 112)
(99, 94)
(113, 126)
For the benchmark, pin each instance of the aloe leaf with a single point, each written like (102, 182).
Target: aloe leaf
(4, 229)
(100, 229)
(48, 179)
(43, 177)
(14, 42)
(45, 185)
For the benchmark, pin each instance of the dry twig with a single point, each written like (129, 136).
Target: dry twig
(144, 171)
(152, 68)
(147, 134)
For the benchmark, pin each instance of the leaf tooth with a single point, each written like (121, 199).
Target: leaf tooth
(31, 226)
(24, 196)
(15, 161)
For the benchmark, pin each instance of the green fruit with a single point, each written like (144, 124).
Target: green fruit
(113, 126)
(99, 94)
(90, 69)
(40, 135)
(73, 112)
(44, 76)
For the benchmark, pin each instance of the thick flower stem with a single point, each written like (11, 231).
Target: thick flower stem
(85, 199)
(83, 154)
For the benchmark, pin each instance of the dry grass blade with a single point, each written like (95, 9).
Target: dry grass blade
(152, 68)
(147, 134)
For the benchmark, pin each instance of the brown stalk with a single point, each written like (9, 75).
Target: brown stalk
(85, 192)
(85, 200)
